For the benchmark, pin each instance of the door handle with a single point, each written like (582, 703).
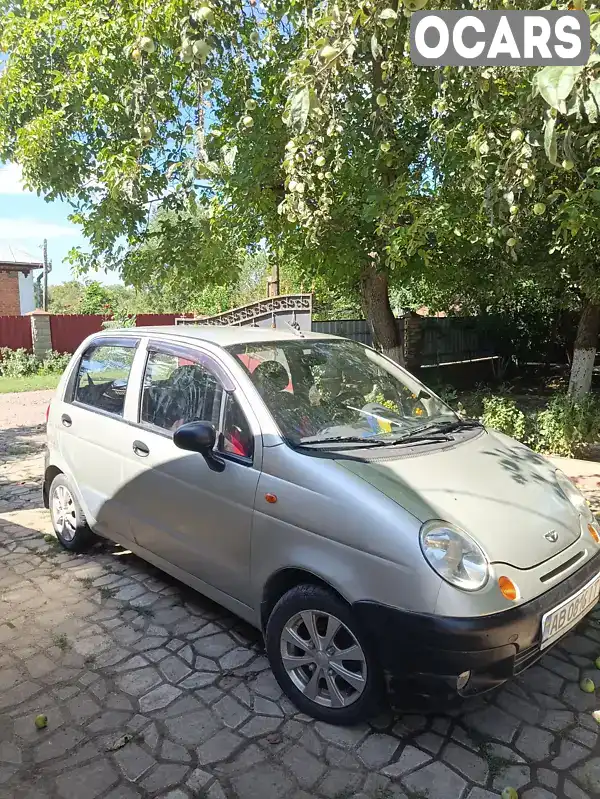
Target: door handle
(140, 449)
(66, 420)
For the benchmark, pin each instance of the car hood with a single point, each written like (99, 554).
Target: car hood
(503, 494)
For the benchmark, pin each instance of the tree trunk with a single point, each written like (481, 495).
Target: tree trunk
(584, 353)
(377, 309)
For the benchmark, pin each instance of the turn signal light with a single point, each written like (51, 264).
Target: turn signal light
(594, 533)
(507, 588)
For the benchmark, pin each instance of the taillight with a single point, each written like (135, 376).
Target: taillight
(47, 413)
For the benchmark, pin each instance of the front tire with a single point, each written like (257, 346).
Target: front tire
(321, 658)
(67, 517)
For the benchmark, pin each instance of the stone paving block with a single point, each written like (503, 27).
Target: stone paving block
(304, 766)
(339, 782)
(569, 754)
(515, 776)
(192, 729)
(58, 744)
(266, 781)
(467, 763)
(219, 747)
(133, 761)
(158, 698)
(163, 776)
(231, 712)
(492, 722)
(534, 743)
(88, 781)
(588, 775)
(436, 781)
(174, 669)
(378, 750)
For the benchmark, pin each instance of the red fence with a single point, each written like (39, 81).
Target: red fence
(69, 330)
(15, 332)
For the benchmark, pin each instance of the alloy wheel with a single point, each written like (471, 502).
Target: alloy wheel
(64, 512)
(323, 659)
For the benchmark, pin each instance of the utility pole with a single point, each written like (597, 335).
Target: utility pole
(46, 270)
(273, 279)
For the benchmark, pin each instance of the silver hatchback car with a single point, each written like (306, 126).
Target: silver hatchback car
(323, 494)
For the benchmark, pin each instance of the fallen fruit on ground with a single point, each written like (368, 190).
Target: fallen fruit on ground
(597, 662)
(587, 685)
(41, 721)
(596, 716)
(509, 793)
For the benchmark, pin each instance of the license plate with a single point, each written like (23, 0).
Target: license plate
(564, 616)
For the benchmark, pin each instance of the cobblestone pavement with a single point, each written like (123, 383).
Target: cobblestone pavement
(152, 691)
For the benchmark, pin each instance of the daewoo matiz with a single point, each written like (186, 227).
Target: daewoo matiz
(319, 491)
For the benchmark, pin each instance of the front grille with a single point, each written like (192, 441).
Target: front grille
(563, 567)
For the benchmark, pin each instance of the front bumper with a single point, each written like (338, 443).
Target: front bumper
(430, 652)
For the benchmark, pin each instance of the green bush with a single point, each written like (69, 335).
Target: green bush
(54, 362)
(17, 363)
(501, 413)
(20, 363)
(565, 427)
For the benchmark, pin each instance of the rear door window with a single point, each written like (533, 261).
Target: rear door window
(103, 376)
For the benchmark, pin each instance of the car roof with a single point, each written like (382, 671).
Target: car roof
(221, 335)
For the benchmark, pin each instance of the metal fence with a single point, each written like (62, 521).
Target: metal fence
(444, 340)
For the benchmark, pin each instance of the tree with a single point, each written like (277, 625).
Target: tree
(96, 299)
(521, 147)
(66, 297)
(111, 111)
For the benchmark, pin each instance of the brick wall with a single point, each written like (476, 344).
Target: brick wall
(9, 294)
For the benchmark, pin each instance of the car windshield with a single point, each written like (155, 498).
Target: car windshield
(321, 390)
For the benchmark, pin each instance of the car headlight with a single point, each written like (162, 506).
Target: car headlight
(573, 494)
(454, 555)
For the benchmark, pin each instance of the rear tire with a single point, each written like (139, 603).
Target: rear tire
(67, 517)
(320, 657)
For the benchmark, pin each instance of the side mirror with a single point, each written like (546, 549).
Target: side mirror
(199, 437)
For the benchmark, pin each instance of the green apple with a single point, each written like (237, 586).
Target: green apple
(247, 121)
(587, 685)
(41, 721)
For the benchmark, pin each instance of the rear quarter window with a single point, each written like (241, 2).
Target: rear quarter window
(102, 377)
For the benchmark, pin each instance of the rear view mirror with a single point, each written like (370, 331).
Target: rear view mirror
(199, 437)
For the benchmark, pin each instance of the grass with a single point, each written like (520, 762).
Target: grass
(9, 385)
(61, 641)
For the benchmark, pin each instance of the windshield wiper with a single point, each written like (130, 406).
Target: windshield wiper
(366, 442)
(426, 438)
(451, 426)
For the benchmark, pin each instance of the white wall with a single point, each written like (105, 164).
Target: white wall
(26, 295)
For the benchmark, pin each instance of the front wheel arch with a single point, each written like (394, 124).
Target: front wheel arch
(283, 581)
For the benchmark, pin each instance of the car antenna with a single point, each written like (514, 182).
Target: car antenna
(295, 327)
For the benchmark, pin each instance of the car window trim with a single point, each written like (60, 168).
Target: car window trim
(109, 341)
(203, 358)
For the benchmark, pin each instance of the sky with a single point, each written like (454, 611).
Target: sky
(26, 220)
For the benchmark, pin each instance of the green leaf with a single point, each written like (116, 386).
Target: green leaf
(555, 84)
(595, 31)
(299, 109)
(550, 142)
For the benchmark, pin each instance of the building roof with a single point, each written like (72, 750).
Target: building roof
(14, 259)
(222, 335)
(19, 266)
